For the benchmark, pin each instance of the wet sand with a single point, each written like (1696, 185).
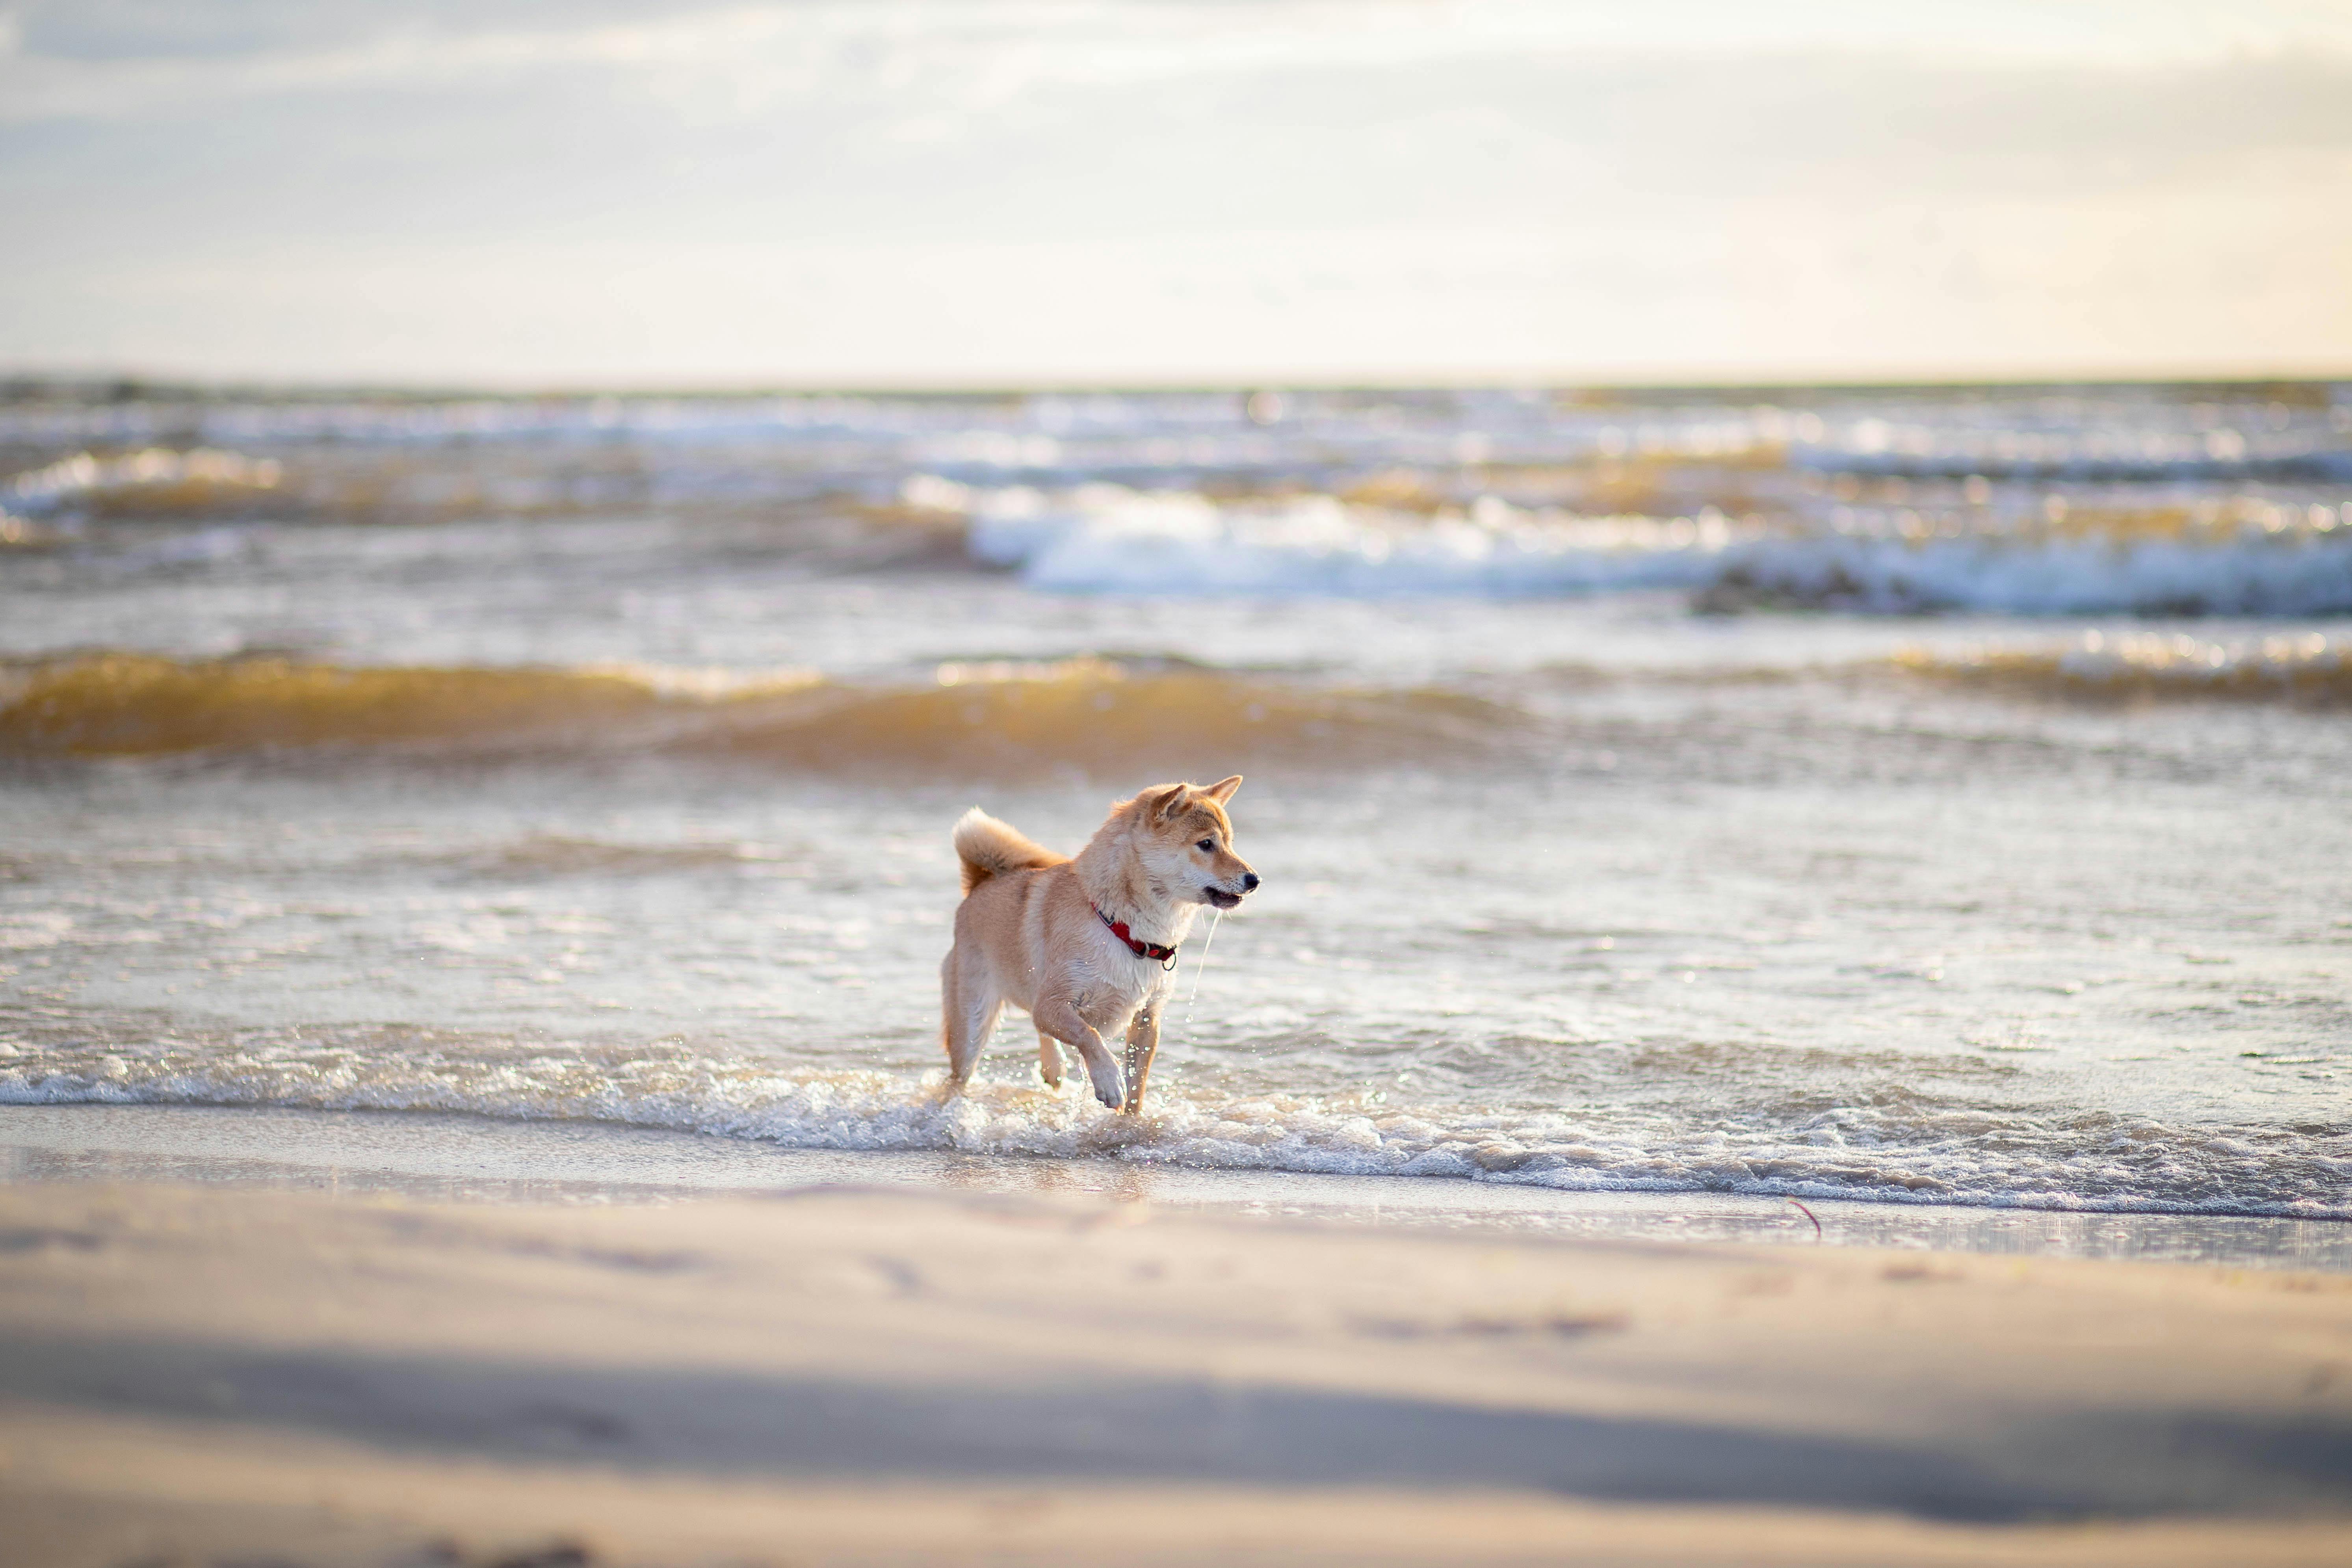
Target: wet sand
(836, 1374)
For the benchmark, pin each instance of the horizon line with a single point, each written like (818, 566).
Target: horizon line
(125, 384)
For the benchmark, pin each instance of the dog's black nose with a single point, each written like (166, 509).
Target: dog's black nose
(1249, 881)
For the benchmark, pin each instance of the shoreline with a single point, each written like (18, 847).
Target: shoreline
(442, 1157)
(828, 1375)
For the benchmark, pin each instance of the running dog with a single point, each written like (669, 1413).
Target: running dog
(1086, 946)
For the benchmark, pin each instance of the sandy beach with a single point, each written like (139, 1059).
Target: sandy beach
(836, 1374)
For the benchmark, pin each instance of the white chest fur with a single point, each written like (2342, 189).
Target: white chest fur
(1115, 981)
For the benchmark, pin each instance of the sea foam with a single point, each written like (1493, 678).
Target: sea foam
(1106, 539)
(1919, 1151)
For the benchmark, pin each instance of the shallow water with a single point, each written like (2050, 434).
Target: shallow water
(594, 761)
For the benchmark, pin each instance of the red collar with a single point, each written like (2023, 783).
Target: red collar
(1166, 955)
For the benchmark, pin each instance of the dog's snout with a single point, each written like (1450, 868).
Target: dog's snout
(1249, 881)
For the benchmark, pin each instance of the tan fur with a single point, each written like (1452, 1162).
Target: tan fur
(1026, 934)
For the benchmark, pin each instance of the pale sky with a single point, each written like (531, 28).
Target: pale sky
(959, 192)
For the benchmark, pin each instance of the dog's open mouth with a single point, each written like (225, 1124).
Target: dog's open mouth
(1221, 898)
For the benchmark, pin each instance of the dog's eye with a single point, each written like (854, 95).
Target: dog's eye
(1208, 844)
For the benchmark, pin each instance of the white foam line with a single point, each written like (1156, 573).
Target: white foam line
(2023, 1165)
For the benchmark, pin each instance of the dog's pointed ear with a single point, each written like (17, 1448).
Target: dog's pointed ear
(1165, 804)
(1222, 790)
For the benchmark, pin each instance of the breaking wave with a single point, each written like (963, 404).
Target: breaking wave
(1919, 1149)
(990, 719)
(2289, 574)
(1105, 538)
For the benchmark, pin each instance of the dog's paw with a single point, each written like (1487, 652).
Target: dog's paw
(1110, 1090)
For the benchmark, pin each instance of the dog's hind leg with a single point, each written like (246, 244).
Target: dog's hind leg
(969, 1008)
(1142, 1045)
(979, 1022)
(1049, 1060)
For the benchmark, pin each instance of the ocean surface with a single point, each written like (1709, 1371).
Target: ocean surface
(1922, 797)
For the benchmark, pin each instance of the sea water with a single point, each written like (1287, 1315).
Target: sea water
(1932, 797)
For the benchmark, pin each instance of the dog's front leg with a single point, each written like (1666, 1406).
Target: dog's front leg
(1142, 1045)
(1056, 1016)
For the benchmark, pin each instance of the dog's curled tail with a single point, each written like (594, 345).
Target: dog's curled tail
(989, 848)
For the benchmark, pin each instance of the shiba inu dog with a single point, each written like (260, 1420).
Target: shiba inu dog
(1086, 946)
